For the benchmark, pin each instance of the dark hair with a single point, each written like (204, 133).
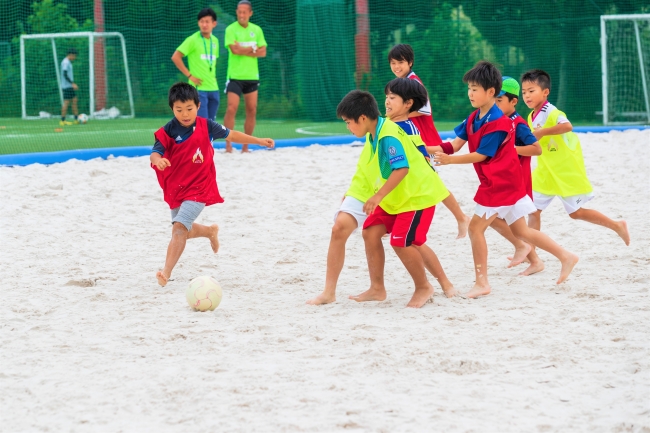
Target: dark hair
(182, 92)
(72, 51)
(539, 77)
(207, 12)
(358, 103)
(408, 89)
(402, 53)
(486, 75)
(245, 2)
(510, 96)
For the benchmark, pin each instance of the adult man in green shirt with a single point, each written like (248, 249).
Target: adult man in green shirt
(245, 42)
(202, 51)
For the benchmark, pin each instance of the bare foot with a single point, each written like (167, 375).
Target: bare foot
(463, 227)
(449, 289)
(228, 148)
(520, 255)
(370, 295)
(214, 238)
(525, 260)
(478, 291)
(623, 232)
(323, 298)
(537, 266)
(567, 266)
(162, 279)
(420, 297)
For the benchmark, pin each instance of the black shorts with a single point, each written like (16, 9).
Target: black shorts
(242, 86)
(69, 93)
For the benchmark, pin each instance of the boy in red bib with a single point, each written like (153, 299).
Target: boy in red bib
(182, 158)
(501, 192)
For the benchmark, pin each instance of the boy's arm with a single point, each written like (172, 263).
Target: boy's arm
(531, 150)
(560, 128)
(160, 162)
(393, 180)
(443, 159)
(240, 137)
(448, 148)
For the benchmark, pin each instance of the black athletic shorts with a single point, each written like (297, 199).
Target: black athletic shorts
(242, 86)
(69, 93)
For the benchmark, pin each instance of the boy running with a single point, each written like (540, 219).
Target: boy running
(527, 146)
(183, 159)
(501, 192)
(560, 168)
(400, 59)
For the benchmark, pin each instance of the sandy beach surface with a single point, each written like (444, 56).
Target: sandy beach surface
(90, 343)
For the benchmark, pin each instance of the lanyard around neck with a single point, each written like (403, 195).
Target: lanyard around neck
(205, 50)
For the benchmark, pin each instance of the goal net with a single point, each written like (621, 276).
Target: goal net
(100, 70)
(625, 45)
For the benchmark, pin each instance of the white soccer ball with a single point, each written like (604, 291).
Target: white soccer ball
(204, 293)
(83, 118)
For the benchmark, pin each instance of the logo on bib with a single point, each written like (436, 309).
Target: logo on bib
(198, 157)
(552, 146)
(252, 34)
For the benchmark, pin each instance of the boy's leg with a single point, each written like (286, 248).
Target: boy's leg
(539, 239)
(376, 258)
(523, 251)
(412, 261)
(432, 264)
(250, 99)
(462, 219)
(343, 227)
(229, 117)
(184, 228)
(477, 228)
(595, 217)
(210, 232)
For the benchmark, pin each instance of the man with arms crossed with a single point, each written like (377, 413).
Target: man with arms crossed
(245, 42)
(202, 51)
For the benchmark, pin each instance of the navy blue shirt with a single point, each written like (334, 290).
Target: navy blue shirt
(523, 134)
(180, 133)
(489, 143)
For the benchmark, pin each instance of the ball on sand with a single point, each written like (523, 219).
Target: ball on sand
(203, 293)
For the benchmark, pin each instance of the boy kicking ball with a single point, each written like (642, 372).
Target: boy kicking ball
(183, 159)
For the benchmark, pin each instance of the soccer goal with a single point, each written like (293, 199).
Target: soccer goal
(100, 70)
(625, 49)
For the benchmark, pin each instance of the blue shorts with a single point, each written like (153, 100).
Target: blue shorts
(209, 104)
(187, 213)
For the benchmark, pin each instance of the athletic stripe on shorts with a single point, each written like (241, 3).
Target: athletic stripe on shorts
(415, 222)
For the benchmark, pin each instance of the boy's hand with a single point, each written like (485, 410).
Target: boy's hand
(267, 142)
(195, 80)
(539, 132)
(162, 164)
(75, 87)
(372, 203)
(441, 158)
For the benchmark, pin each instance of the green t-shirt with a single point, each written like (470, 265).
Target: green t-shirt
(201, 57)
(243, 67)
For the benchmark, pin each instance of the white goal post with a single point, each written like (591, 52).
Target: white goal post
(91, 54)
(638, 99)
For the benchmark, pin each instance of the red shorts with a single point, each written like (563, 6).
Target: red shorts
(408, 228)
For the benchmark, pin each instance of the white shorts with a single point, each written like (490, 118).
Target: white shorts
(512, 213)
(571, 203)
(354, 207)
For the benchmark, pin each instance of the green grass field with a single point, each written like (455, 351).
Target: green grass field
(26, 136)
